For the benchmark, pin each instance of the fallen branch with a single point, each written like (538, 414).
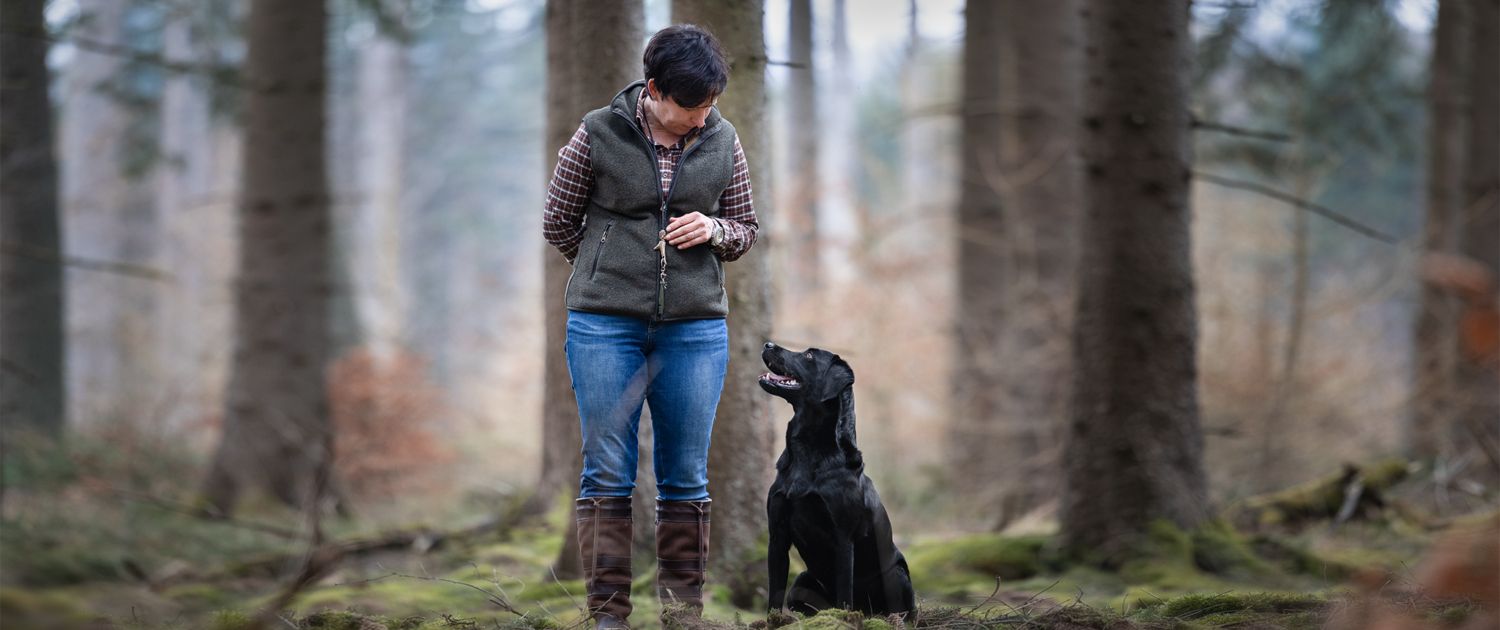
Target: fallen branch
(1354, 491)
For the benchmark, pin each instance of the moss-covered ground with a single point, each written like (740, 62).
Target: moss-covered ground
(75, 552)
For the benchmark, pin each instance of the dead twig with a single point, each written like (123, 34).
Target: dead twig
(1323, 211)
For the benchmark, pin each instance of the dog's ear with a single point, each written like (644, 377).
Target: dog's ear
(837, 377)
(838, 383)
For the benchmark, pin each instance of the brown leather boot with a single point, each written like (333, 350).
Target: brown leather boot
(681, 557)
(604, 533)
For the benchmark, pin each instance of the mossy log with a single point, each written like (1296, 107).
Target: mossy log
(1355, 492)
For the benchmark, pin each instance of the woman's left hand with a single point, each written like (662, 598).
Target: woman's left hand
(690, 230)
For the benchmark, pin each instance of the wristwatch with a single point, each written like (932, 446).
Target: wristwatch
(718, 236)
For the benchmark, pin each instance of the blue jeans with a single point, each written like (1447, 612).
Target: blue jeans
(617, 362)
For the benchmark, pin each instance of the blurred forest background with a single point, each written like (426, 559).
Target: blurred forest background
(278, 329)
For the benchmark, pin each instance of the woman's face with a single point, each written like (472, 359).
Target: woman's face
(675, 118)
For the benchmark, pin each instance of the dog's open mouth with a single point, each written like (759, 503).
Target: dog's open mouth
(780, 381)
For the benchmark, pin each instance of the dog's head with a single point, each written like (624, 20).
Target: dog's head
(813, 375)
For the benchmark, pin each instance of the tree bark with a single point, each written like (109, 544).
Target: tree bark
(740, 458)
(593, 50)
(380, 302)
(277, 408)
(1037, 177)
(1134, 449)
(978, 380)
(804, 277)
(194, 193)
(33, 392)
(32, 380)
(1437, 314)
(1478, 383)
(113, 362)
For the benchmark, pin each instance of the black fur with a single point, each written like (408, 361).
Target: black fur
(822, 502)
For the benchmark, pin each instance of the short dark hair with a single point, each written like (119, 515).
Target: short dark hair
(687, 63)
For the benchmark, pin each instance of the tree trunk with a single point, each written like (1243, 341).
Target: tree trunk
(1041, 66)
(739, 461)
(593, 50)
(1479, 384)
(194, 198)
(838, 214)
(277, 402)
(375, 243)
(1437, 312)
(32, 391)
(109, 215)
(804, 268)
(1134, 449)
(1286, 388)
(978, 380)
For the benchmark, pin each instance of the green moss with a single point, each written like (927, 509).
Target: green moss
(1453, 614)
(201, 596)
(833, 619)
(1218, 548)
(970, 565)
(1200, 605)
(1296, 559)
(338, 620)
(230, 620)
(39, 609)
(1317, 499)
(402, 595)
(1081, 617)
(550, 589)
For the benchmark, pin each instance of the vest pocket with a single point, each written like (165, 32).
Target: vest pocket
(600, 249)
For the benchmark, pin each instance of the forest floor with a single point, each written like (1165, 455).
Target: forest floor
(77, 550)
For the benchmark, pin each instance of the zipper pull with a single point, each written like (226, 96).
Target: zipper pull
(661, 243)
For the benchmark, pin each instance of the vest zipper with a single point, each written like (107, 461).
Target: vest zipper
(661, 289)
(600, 249)
(661, 286)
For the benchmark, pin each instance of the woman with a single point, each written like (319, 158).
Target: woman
(650, 197)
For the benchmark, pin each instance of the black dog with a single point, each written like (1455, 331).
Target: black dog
(822, 502)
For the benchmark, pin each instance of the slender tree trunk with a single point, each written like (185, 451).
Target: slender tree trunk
(593, 50)
(838, 212)
(109, 214)
(1286, 389)
(739, 462)
(193, 198)
(1041, 69)
(32, 390)
(1134, 449)
(277, 403)
(1437, 313)
(978, 380)
(1479, 384)
(375, 244)
(804, 278)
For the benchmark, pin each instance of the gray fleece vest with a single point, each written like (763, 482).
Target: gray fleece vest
(618, 270)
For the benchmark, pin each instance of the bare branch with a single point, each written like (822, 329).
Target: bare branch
(1324, 211)
(225, 74)
(1209, 125)
(108, 266)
